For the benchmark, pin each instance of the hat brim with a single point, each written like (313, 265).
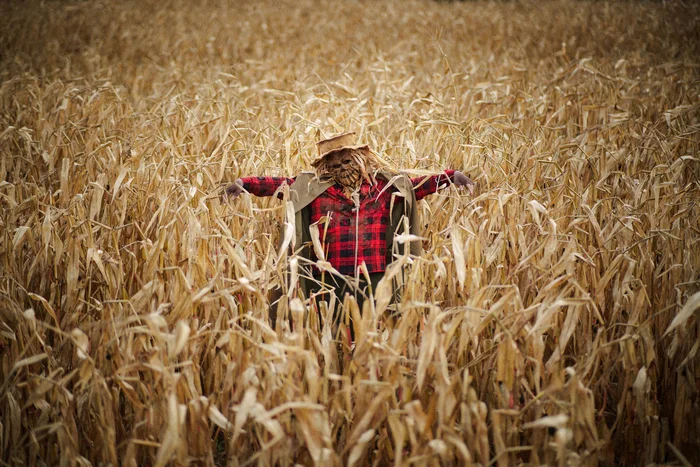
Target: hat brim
(332, 151)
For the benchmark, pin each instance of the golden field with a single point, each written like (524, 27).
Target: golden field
(550, 320)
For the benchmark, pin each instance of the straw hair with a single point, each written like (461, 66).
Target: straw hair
(553, 317)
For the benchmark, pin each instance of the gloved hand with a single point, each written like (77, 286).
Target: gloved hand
(462, 180)
(234, 190)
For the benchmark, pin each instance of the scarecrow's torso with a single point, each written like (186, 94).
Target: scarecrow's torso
(352, 233)
(348, 231)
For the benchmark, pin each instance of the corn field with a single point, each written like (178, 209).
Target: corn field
(551, 319)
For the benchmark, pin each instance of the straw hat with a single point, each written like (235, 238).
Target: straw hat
(335, 144)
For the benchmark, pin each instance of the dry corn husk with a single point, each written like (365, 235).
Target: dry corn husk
(551, 319)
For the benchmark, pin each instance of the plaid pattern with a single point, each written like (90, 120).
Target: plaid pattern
(344, 230)
(264, 186)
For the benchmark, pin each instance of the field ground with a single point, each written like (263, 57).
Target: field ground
(550, 320)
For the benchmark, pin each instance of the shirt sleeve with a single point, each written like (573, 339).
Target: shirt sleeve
(264, 186)
(424, 186)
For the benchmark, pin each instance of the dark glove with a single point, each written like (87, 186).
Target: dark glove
(462, 180)
(235, 190)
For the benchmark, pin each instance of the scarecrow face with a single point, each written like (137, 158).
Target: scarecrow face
(343, 168)
(337, 160)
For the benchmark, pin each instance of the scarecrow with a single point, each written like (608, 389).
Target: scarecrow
(359, 209)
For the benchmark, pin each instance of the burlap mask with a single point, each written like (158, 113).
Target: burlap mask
(347, 168)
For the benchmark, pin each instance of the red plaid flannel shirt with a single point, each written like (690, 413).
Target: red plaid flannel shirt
(345, 225)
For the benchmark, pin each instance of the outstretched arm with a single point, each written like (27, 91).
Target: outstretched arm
(424, 186)
(258, 186)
